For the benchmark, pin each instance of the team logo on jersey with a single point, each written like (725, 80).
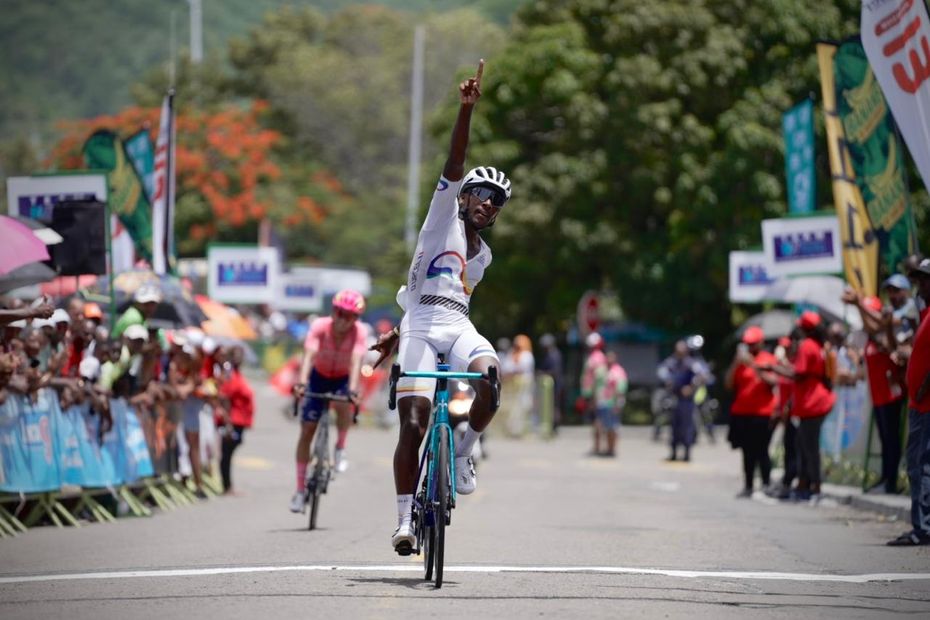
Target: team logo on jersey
(443, 185)
(437, 268)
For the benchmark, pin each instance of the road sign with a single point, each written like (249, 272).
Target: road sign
(589, 313)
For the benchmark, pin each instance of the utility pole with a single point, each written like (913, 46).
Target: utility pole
(416, 130)
(196, 31)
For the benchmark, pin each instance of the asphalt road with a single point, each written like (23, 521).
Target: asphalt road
(550, 532)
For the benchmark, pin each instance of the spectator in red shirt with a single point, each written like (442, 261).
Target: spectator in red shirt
(886, 385)
(753, 405)
(813, 400)
(918, 416)
(239, 402)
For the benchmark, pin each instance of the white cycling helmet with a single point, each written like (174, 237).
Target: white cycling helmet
(487, 176)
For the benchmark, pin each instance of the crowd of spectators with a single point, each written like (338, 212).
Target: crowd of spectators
(820, 368)
(177, 380)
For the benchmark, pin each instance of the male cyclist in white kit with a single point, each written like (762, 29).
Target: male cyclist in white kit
(448, 263)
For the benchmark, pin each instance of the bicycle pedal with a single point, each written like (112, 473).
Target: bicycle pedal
(404, 548)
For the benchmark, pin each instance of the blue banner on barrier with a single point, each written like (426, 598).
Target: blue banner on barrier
(43, 446)
(79, 457)
(137, 462)
(39, 440)
(14, 468)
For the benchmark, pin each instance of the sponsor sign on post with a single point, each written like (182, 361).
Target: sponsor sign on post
(307, 289)
(802, 246)
(242, 274)
(35, 197)
(749, 277)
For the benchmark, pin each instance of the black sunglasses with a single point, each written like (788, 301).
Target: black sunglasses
(483, 193)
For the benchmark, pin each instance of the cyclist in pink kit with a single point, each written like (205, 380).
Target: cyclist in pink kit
(332, 358)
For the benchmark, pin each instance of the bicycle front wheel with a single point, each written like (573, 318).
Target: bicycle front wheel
(441, 507)
(314, 505)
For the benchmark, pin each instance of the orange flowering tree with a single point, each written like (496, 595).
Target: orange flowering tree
(230, 175)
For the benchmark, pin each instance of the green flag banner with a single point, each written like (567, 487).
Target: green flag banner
(105, 151)
(141, 153)
(876, 153)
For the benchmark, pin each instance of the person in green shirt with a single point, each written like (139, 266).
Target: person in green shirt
(145, 301)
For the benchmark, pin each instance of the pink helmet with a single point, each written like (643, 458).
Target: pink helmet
(350, 301)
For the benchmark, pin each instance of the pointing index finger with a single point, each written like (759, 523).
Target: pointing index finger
(480, 71)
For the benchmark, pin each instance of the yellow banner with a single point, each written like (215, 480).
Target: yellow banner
(860, 244)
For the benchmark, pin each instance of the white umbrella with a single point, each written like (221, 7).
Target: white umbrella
(824, 292)
(40, 230)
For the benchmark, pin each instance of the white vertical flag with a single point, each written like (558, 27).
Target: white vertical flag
(896, 39)
(163, 201)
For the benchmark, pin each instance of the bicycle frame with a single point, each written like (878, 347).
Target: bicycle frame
(438, 419)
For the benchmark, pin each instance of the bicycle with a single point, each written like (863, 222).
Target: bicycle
(432, 506)
(321, 473)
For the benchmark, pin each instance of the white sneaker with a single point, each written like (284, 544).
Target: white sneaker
(465, 477)
(298, 502)
(404, 539)
(342, 463)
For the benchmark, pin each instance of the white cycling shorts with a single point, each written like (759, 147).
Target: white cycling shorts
(460, 342)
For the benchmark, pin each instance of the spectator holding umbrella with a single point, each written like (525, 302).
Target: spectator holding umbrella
(753, 405)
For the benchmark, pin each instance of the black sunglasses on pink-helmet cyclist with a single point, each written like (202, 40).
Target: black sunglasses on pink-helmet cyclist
(483, 193)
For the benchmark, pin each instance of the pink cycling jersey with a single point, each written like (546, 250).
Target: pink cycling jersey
(329, 360)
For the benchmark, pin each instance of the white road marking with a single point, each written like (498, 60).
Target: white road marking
(408, 568)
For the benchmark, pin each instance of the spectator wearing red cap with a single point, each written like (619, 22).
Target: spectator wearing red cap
(813, 400)
(753, 405)
(918, 416)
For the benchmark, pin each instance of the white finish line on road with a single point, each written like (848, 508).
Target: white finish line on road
(409, 568)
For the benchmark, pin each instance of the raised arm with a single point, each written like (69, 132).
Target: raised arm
(469, 93)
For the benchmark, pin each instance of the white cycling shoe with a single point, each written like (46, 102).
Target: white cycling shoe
(297, 502)
(404, 538)
(342, 463)
(466, 480)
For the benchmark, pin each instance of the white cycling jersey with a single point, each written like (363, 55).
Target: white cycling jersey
(441, 278)
(435, 301)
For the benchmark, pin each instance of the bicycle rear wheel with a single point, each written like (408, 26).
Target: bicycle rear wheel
(441, 507)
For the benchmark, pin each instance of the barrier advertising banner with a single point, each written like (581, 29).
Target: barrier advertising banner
(749, 277)
(242, 274)
(801, 246)
(798, 128)
(860, 243)
(896, 38)
(876, 153)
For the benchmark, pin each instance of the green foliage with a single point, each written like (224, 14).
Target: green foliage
(644, 141)
(66, 59)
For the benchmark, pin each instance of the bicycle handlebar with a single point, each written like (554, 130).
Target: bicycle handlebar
(328, 396)
(491, 377)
